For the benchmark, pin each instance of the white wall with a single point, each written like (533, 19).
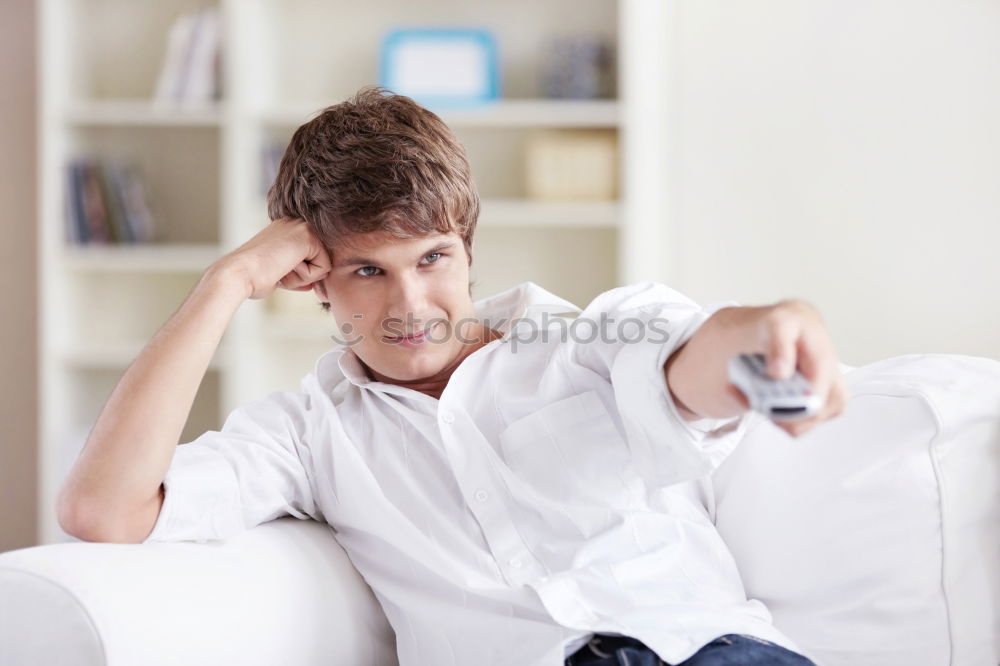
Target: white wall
(844, 152)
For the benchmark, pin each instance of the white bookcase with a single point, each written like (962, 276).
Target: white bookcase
(283, 61)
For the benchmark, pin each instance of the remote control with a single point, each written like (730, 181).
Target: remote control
(779, 399)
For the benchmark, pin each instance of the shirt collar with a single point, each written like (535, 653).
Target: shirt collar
(518, 305)
(504, 312)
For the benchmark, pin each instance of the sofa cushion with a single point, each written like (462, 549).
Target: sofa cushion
(875, 537)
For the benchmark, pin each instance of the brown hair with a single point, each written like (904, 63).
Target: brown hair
(376, 162)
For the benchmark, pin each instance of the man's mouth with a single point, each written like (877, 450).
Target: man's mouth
(410, 340)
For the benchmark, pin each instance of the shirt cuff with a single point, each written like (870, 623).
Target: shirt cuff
(703, 425)
(201, 498)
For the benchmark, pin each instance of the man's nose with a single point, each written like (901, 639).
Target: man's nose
(408, 303)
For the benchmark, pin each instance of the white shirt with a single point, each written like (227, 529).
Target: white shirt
(552, 492)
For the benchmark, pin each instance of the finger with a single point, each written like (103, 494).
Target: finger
(835, 405)
(816, 360)
(318, 255)
(291, 281)
(800, 427)
(312, 272)
(822, 369)
(840, 395)
(320, 261)
(301, 273)
(300, 276)
(313, 269)
(831, 407)
(778, 334)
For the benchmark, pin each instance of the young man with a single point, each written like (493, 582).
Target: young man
(519, 481)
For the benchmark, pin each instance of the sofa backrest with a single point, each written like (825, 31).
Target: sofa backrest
(875, 537)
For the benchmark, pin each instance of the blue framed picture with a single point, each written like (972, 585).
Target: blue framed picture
(441, 67)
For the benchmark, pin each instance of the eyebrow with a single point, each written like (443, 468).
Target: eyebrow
(365, 261)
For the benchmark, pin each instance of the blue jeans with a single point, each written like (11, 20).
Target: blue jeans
(728, 650)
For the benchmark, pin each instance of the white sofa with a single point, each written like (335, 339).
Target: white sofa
(874, 540)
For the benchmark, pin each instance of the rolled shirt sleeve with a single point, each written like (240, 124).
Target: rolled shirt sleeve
(248, 473)
(644, 324)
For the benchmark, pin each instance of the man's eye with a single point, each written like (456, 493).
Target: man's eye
(436, 255)
(363, 271)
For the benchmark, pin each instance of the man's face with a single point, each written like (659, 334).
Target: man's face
(382, 289)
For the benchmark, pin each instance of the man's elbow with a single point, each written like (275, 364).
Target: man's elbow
(90, 521)
(82, 521)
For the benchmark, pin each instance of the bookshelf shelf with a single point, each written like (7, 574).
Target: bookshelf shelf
(142, 113)
(111, 356)
(538, 113)
(513, 212)
(503, 113)
(100, 66)
(145, 258)
(498, 212)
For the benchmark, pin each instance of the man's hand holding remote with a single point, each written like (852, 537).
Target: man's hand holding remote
(791, 334)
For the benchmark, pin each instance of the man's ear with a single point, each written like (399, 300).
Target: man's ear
(320, 292)
(468, 253)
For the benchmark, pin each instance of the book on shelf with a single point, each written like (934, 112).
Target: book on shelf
(106, 203)
(191, 69)
(272, 151)
(95, 211)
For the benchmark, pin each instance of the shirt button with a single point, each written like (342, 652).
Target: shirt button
(482, 495)
(447, 417)
(514, 562)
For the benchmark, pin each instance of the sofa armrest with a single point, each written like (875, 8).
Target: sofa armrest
(874, 539)
(284, 592)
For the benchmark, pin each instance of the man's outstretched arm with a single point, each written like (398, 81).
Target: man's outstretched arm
(790, 334)
(115, 490)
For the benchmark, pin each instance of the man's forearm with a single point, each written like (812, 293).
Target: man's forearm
(130, 447)
(696, 373)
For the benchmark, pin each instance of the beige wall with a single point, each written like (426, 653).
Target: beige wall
(18, 384)
(847, 153)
